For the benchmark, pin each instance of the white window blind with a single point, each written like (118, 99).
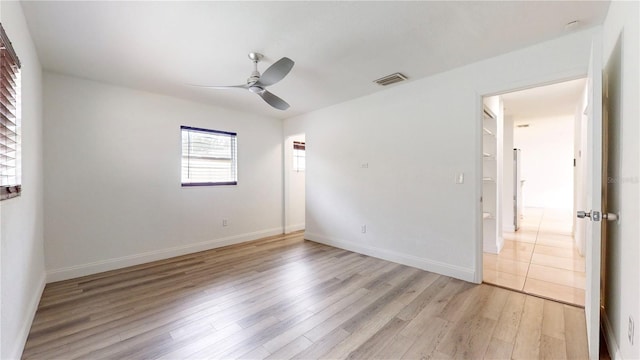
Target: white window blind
(299, 156)
(10, 152)
(209, 157)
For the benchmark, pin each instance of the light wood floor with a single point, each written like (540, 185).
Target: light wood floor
(284, 297)
(541, 258)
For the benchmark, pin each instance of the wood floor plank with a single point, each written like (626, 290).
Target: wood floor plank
(366, 329)
(527, 345)
(426, 341)
(509, 320)
(575, 333)
(256, 354)
(284, 338)
(553, 320)
(285, 297)
(474, 344)
(498, 349)
(470, 333)
(424, 323)
(320, 348)
(378, 340)
(424, 298)
(288, 351)
(552, 348)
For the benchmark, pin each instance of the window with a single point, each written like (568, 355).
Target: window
(209, 157)
(298, 156)
(10, 162)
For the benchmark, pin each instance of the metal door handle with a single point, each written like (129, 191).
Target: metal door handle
(584, 214)
(595, 215)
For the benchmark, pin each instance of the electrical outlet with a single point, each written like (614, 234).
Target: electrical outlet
(225, 222)
(364, 165)
(631, 330)
(363, 229)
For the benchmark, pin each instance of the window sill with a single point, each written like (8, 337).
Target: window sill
(210, 184)
(9, 192)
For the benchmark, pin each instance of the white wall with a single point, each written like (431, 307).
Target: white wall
(546, 160)
(294, 192)
(507, 178)
(623, 248)
(112, 164)
(22, 261)
(415, 138)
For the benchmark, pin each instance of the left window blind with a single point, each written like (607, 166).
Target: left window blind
(10, 142)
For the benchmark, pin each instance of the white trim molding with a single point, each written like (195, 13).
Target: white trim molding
(293, 228)
(466, 274)
(32, 308)
(137, 259)
(610, 339)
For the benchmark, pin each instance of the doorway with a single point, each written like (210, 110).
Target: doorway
(294, 183)
(537, 182)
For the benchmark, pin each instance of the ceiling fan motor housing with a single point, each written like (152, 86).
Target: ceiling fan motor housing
(255, 75)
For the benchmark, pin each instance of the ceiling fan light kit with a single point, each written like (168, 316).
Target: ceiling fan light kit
(257, 83)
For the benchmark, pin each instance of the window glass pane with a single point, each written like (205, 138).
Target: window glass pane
(298, 156)
(208, 157)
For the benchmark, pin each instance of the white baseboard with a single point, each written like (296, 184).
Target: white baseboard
(612, 344)
(292, 228)
(509, 228)
(137, 259)
(490, 248)
(404, 259)
(500, 244)
(23, 334)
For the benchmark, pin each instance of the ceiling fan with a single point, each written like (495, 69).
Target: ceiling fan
(257, 83)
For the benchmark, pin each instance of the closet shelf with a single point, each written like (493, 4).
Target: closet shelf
(486, 178)
(487, 131)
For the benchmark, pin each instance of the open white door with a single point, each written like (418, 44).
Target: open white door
(593, 186)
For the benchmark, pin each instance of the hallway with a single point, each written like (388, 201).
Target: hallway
(540, 259)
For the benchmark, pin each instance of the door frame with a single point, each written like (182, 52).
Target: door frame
(516, 86)
(592, 316)
(287, 168)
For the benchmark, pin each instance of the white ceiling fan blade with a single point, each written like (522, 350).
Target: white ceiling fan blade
(273, 100)
(276, 72)
(223, 87)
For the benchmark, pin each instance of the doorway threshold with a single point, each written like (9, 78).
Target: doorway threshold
(540, 259)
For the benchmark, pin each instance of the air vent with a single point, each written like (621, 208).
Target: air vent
(523, 125)
(390, 79)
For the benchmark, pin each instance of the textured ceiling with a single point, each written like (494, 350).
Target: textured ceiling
(339, 47)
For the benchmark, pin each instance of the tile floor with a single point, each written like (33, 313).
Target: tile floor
(541, 258)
